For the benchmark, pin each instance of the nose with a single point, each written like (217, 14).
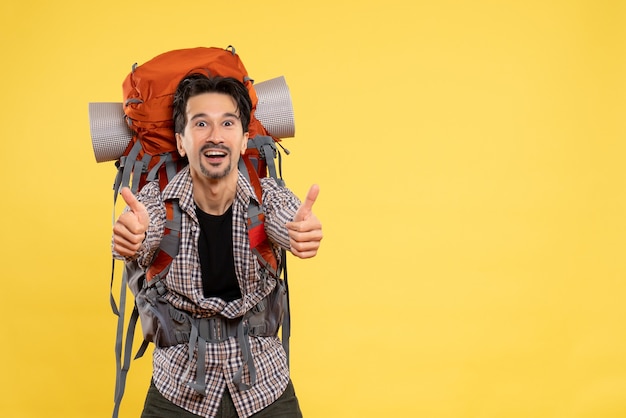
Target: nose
(214, 135)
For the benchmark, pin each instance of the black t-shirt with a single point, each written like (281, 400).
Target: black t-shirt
(215, 247)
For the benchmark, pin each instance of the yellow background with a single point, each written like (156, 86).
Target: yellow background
(469, 155)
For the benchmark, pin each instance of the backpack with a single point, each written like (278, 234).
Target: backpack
(139, 136)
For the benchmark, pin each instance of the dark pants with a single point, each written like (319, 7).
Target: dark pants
(286, 406)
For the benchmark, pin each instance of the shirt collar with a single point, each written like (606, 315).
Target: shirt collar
(181, 189)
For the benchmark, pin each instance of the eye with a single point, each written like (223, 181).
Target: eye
(201, 124)
(229, 123)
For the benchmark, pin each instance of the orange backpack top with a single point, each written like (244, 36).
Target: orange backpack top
(148, 95)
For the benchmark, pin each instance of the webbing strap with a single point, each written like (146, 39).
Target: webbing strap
(171, 167)
(199, 385)
(247, 359)
(259, 243)
(142, 349)
(154, 171)
(111, 298)
(203, 331)
(256, 221)
(123, 361)
(168, 248)
(129, 166)
(271, 167)
(286, 325)
(247, 169)
(169, 243)
(137, 170)
(267, 151)
(117, 182)
(119, 383)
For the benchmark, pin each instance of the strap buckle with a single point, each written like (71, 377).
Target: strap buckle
(216, 329)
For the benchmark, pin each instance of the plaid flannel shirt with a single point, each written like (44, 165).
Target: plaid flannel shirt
(185, 284)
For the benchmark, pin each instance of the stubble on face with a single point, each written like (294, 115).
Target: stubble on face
(213, 175)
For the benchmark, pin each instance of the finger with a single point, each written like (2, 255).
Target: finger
(307, 225)
(127, 228)
(128, 224)
(304, 255)
(305, 244)
(125, 241)
(130, 199)
(308, 245)
(135, 206)
(301, 232)
(125, 248)
(306, 207)
(305, 251)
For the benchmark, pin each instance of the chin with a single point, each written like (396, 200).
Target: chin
(215, 174)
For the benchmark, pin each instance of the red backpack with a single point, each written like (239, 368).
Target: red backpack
(150, 154)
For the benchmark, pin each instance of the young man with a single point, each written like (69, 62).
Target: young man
(215, 274)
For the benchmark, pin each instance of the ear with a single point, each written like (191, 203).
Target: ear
(179, 144)
(244, 145)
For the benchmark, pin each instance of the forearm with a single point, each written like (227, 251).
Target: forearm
(280, 206)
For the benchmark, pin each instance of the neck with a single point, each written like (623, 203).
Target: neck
(215, 196)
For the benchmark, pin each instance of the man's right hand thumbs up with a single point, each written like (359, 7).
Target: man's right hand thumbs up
(130, 229)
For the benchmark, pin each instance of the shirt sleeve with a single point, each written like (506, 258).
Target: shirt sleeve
(280, 206)
(150, 196)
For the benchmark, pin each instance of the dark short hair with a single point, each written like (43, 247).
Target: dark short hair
(197, 83)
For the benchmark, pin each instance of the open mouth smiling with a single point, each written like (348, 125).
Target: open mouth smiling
(210, 154)
(214, 155)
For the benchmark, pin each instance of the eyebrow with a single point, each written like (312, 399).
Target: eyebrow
(204, 115)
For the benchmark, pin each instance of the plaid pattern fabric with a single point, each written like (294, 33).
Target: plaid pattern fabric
(172, 368)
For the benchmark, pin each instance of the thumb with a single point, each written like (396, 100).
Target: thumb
(135, 206)
(305, 209)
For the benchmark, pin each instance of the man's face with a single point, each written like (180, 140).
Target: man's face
(213, 139)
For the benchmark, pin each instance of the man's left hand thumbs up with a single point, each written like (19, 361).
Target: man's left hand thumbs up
(305, 231)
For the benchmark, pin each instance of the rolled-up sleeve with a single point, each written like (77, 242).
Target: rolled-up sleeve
(280, 206)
